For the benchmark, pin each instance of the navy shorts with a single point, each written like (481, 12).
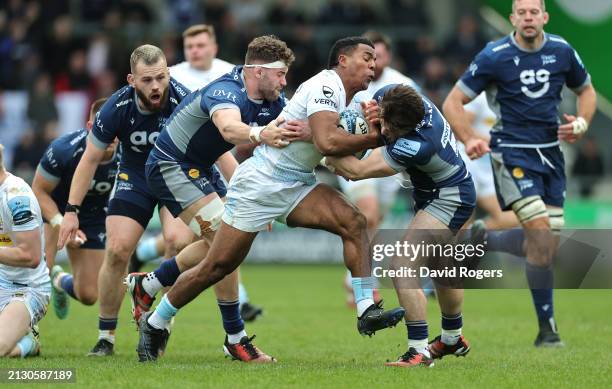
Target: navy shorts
(177, 185)
(95, 233)
(523, 172)
(453, 205)
(131, 196)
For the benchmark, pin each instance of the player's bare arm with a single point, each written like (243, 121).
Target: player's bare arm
(475, 146)
(333, 140)
(374, 165)
(233, 130)
(42, 189)
(577, 125)
(25, 253)
(83, 175)
(227, 165)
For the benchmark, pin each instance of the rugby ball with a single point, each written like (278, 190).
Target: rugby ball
(353, 122)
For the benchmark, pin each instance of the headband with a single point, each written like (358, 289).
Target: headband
(270, 65)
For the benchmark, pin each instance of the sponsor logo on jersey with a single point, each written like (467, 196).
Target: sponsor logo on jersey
(406, 147)
(194, 173)
(548, 59)
(531, 77)
(122, 103)
(222, 93)
(5, 240)
(517, 172)
(329, 102)
(123, 176)
(328, 92)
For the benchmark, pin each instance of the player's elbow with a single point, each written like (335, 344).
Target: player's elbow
(329, 147)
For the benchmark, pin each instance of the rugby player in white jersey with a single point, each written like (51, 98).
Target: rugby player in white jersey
(280, 184)
(201, 65)
(25, 287)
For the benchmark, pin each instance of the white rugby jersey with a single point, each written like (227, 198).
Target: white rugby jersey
(296, 162)
(485, 118)
(195, 79)
(19, 211)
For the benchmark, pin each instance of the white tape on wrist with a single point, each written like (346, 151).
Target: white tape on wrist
(255, 134)
(56, 220)
(580, 126)
(328, 166)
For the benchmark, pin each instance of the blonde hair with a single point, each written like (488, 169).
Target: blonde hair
(199, 29)
(148, 54)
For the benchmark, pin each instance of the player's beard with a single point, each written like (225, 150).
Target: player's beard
(148, 104)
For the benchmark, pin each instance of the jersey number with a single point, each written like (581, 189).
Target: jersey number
(529, 77)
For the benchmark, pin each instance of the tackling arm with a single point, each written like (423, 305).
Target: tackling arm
(332, 140)
(374, 165)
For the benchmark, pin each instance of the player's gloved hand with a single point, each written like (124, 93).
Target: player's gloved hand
(68, 229)
(573, 130)
(78, 240)
(272, 134)
(296, 130)
(476, 147)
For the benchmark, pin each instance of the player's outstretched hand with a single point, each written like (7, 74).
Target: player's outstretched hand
(573, 129)
(272, 134)
(68, 229)
(476, 148)
(297, 130)
(78, 240)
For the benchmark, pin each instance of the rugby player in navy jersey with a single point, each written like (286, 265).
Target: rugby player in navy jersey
(236, 108)
(523, 75)
(51, 186)
(420, 143)
(135, 114)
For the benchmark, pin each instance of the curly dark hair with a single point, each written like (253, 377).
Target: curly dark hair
(401, 109)
(268, 48)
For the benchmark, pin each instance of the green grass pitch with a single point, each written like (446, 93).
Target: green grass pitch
(308, 328)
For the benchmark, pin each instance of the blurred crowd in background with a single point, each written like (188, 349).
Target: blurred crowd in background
(50, 48)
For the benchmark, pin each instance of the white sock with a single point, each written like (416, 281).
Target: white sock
(151, 284)
(156, 321)
(419, 345)
(108, 335)
(235, 338)
(363, 305)
(57, 281)
(450, 337)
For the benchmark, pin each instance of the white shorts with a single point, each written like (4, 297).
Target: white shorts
(384, 189)
(36, 299)
(482, 174)
(256, 198)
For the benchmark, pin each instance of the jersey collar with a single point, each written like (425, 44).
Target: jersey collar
(515, 43)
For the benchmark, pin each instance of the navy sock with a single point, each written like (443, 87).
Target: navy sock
(107, 324)
(230, 313)
(417, 330)
(167, 272)
(68, 285)
(452, 322)
(506, 241)
(540, 280)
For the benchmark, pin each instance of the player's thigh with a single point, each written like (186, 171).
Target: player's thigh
(86, 264)
(176, 233)
(203, 217)
(122, 235)
(325, 208)
(14, 324)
